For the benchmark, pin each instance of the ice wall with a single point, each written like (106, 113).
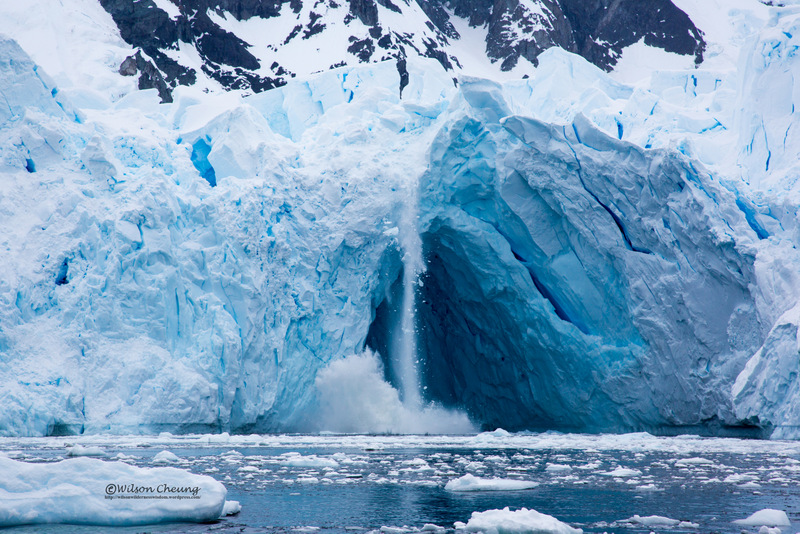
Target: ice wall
(602, 280)
(214, 263)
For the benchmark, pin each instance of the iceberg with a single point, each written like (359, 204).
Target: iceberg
(767, 517)
(94, 492)
(522, 521)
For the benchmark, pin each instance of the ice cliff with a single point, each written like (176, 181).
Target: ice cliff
(599, 253)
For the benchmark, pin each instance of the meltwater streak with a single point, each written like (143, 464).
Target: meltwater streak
(405, 339)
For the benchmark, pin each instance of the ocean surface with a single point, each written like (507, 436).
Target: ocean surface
(394, 484)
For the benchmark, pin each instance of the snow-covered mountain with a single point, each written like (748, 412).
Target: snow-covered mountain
(255, 45)
(239, 218)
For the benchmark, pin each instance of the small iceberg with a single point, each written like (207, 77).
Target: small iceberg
(522, 521)
(767, 517)
(89, 491)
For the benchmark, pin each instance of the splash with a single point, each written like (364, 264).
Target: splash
(353, 395)
(354, 398)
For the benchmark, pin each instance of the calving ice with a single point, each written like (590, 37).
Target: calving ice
(417, 239)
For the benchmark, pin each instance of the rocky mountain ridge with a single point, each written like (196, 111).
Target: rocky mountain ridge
(256, 46)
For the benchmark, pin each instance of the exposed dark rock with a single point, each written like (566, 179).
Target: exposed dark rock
(149, 77)
(403, 71)
(128, 67)
(438, 17)
(596, 29)
(313, 27)
(227, 58)
(363, 49)
(365, 10)
(514, 31)
(390, 6)
(602, 28)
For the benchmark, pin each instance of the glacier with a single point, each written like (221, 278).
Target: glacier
(595, 255)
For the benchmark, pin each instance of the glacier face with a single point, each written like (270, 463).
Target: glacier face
(584, 271)
(231, 263)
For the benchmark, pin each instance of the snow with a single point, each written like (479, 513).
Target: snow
(767, 517)
(77, 44)
(522, 521)
(470, 482)
(636, 61)
(95, 492)
(168, 7)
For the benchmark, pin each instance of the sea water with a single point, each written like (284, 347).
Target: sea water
(350, 483)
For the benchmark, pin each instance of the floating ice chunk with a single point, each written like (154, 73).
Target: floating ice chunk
(295, 459)
(429, 527)
(415, 461)
(95, 492)
(231, 508)
(475, 466)
(750, 485)
(165, 457)
(522, 521)
(653, 521)
(739, 477)
(623, 472)
(766, 517)
(769, 530)
(80, 450)
(686, 462)
(558, 468)
(472, 483)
